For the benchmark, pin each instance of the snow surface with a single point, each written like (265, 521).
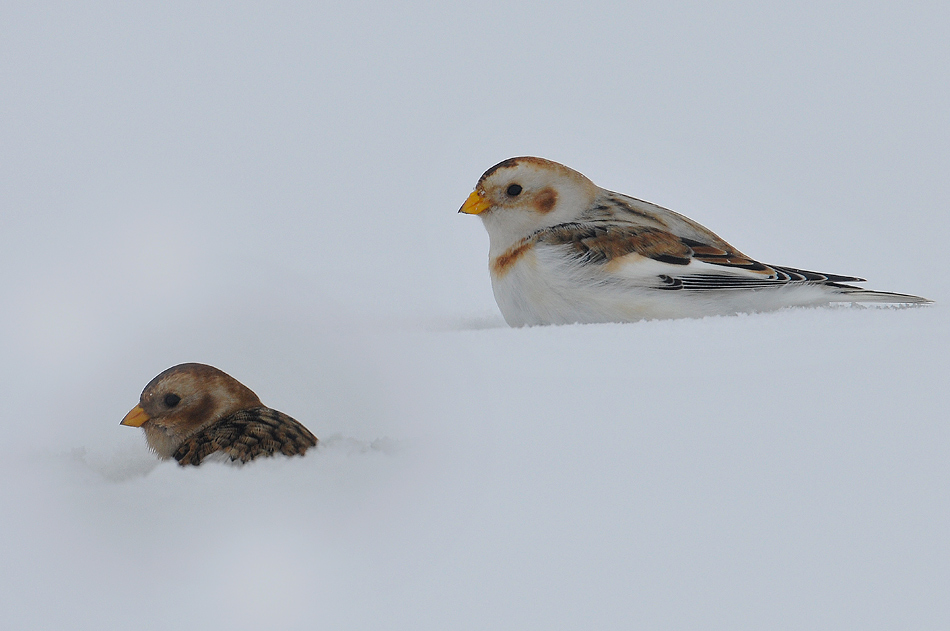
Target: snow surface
(272, 190)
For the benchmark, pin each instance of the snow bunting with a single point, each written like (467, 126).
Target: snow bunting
(564, 250)
(191, 411)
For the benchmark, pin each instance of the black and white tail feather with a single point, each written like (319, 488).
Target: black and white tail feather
(789, 276)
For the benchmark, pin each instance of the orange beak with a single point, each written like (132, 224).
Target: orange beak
(475, 204)
(136, 417)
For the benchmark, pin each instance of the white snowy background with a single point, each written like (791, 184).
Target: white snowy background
(272, 189)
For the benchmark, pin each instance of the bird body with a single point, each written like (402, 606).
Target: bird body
(563, 250)
(193, 411)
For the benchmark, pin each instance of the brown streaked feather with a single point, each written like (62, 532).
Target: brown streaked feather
(723, 254)
(245, 435)
(603, 243)
(611, 202)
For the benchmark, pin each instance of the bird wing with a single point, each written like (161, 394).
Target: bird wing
(246, 435)
(669, 261)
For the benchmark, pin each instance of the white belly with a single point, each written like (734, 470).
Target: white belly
(545, 287)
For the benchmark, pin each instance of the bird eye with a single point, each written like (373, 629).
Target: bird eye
(514, 190)
(171, 400)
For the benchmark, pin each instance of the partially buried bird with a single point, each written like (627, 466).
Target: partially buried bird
(563, 250)
(192, 411)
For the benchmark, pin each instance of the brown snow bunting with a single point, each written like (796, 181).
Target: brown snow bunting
(564, 250)
(192, 411)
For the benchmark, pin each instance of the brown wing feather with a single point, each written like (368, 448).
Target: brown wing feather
(602, 243)
(247, 434)
(728, 256)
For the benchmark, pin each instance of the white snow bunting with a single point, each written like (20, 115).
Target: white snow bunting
(564, 250)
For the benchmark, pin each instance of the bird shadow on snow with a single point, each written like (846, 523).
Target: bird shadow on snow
(488, 321)
(114, 467)
(347, 445)
(468, 323)
(120, 466)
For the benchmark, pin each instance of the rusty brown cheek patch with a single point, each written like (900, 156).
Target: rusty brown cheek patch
(545, 200)
(200, 412)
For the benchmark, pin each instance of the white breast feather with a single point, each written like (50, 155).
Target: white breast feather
(550, 285)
